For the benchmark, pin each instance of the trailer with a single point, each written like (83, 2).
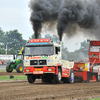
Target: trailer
(89, 71)
(43, 60)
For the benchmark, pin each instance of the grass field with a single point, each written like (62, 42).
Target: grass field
(95, 99)
(3, 70)
(8, 77)
(15, 77)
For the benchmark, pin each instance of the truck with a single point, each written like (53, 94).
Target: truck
(16, 64)
(43, 60)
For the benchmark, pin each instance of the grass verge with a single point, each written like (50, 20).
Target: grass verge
(95, 99)
(15, 78)
(4, 70)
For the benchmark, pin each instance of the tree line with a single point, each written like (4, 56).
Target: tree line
(13, 41)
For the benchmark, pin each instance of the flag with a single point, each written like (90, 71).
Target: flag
(21, 50)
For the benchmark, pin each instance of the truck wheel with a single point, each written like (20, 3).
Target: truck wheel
(31, 78)
(8, 68)
(71, 77)
(19, 68)
(57, 78)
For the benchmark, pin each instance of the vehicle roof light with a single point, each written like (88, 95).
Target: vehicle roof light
(88, 40)
(39, 40)
(38, 43)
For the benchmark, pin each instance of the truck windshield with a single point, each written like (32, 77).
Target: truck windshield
(94, 48)
(39, 50)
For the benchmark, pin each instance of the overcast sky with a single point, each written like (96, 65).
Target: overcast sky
(15, 14)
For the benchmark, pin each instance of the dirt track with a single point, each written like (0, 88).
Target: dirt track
(8, 74)
(47, 91)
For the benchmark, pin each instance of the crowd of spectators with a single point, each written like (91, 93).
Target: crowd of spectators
(4, 62)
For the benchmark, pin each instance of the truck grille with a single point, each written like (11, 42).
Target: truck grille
(38, 62)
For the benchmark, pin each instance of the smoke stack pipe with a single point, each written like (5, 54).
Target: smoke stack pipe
(61, 48)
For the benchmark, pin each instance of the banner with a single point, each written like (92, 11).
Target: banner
(6, 57)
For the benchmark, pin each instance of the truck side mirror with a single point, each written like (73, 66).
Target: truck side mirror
(57, 49)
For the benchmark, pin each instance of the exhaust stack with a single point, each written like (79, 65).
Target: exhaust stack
(61, 49)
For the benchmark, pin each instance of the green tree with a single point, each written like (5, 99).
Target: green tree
(2, 41)
(65, 53)
(14, 42)
(84, 46)
(53, 38)
(1, 51)
(82, 53)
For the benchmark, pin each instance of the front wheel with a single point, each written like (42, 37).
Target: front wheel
(8, 69)
(57, 78)
(31, 78)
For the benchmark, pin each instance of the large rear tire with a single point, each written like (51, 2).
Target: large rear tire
(31, 78)
(19, 68)
(8, 69)
(57, 78)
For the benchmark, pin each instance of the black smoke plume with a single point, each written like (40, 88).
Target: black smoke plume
(42, 11)
(82, 13)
